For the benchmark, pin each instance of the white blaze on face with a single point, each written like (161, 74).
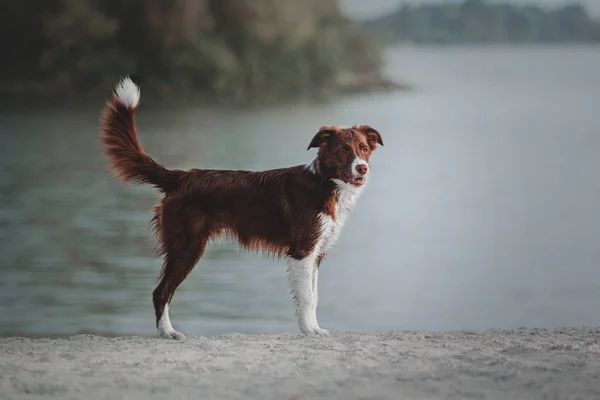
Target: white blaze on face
(358, 161)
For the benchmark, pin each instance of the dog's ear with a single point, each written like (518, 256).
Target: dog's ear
(373, 137)
(322, 137)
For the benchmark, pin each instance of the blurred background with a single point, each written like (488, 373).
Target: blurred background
(482, 210)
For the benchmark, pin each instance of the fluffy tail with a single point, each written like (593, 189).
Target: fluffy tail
(127, 159)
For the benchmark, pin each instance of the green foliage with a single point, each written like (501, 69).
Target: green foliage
(81, 49)
(252, 70)
(479, 21)
(84, 45)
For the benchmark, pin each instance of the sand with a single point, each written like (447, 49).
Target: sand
(523, 364)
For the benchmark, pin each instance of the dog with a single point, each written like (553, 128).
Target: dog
(295, 213)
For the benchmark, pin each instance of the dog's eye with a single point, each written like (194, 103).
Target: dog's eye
(365, 149)
(343, 150)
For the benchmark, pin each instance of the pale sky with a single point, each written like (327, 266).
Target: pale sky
(370, 8)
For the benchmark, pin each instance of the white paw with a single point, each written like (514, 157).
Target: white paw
(322, 332)
(310, 331)
(172, 335)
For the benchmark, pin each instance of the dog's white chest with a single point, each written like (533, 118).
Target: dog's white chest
(332, 227)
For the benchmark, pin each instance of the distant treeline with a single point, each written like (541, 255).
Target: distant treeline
(227, 50)
(479, 21)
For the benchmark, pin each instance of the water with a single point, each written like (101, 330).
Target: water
(482, 210)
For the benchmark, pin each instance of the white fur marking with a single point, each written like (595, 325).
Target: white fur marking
(315, 293)
(347, 196)
(128, 92)
(358, 161)
(164, 323)
(311, 166)
(303, 275)
(301, 278)
(166, 329)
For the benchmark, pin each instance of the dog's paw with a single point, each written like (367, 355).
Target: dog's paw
(175, 335)
(322, 332)
(316, 332)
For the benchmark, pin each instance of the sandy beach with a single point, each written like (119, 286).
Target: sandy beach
(498, 364)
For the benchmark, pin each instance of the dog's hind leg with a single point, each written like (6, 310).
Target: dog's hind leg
(183, 244)
(176, 268)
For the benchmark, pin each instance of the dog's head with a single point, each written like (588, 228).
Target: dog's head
(344, 153)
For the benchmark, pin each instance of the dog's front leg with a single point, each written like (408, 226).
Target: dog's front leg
(302, 277)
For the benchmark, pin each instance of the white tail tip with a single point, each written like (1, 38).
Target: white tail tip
(128, 92)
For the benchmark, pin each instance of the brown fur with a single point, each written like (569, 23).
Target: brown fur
(274, 211)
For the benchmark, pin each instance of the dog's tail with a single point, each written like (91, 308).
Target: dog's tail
(118, 134)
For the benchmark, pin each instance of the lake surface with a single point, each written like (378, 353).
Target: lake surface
(482, 211)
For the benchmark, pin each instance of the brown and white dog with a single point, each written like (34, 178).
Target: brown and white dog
(295, 213)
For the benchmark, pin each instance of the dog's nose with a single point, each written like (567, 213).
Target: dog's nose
(361, 169)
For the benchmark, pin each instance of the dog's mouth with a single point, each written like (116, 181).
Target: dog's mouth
(355, 181)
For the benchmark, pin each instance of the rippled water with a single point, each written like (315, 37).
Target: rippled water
(482, 210)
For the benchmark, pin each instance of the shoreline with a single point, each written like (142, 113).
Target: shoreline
(522, 363)
(344, 85)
